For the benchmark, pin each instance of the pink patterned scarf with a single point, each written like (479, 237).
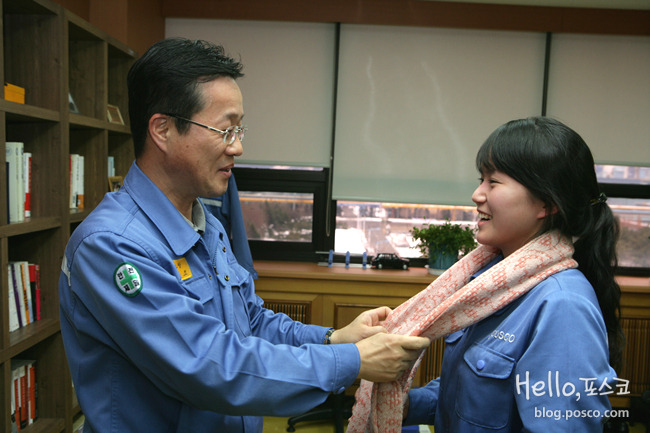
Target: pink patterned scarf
(453, 302)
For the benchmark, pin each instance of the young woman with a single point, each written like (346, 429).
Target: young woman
(543, 362)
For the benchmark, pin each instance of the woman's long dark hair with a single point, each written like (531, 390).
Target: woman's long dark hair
(555, 164)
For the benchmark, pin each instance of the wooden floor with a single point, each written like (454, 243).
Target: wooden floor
(279, 425)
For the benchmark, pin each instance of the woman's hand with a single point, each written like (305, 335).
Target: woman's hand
(365, 325)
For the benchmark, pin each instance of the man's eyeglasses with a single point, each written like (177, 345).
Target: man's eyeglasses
(229, 134)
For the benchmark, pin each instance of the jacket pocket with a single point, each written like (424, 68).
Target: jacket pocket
(454, 336)
(200, 289)
(485, 396)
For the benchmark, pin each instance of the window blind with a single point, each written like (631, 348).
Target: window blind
(415, 104)
(600, 86)
(288, 86)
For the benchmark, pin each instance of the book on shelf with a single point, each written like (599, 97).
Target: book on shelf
(14, 154)
(14, 93)
(27, 176)
(35, 286)
(23, 393)
(76, 181)
(27, 291)
(14, 322)
(16, 289)
(111, 166)
(24, 294)
(80, 182)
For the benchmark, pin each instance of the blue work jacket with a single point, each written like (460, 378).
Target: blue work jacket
(539, 364)
(163, 330)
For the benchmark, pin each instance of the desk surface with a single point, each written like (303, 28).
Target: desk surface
(314, 271)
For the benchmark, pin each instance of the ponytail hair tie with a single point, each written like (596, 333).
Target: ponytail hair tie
(602, 198)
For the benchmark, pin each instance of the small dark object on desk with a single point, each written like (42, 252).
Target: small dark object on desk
(389, 260)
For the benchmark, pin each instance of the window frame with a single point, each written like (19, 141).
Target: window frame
(294, 180)
(316, 182)
(626, 190)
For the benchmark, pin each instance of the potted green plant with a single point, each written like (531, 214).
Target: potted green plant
(443, 243)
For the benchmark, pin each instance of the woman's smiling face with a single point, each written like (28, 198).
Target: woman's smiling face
(509, 215)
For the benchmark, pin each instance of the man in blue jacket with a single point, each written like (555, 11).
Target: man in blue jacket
(162, 328)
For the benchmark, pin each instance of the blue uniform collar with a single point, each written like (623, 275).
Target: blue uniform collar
(170, 222)
(491, 263)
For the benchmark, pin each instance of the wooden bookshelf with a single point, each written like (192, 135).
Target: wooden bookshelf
(51, 53)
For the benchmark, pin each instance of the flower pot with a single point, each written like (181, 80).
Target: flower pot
(440, 261)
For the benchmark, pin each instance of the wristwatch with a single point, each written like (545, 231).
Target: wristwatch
(327, 339)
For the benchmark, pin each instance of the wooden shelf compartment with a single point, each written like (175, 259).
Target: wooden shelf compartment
(120, 59)
(80, 121)
(43, 140)
(30, 225)
(51, 376)
(87, 77)
(29, 336)
(45, 249)
(32, 50)
(120, 147)
(92, 145)
(25, 113)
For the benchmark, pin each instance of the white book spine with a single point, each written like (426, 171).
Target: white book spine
(80, 181)
(111, 166)
(20, 181)
(16, 184)
(19, 292)
(13, 311)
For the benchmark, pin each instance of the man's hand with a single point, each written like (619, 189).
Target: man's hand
(384, 357)
(365, 325)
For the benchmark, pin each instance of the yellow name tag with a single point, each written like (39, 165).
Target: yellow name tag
(183, 268)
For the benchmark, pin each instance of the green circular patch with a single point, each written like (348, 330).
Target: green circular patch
(128, 279)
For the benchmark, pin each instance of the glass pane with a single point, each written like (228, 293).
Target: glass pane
(385, 227)
(623, 174)
(634, 243)
(633, 214)
(278, 216)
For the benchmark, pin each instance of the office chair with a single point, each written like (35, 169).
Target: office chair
(337, 408)
(640, 410)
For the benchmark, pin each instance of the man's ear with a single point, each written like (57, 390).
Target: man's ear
(159, 129)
